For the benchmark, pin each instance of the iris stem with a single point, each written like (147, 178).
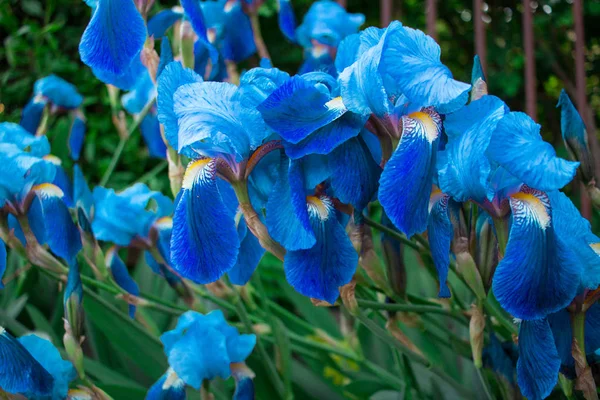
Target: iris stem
(153, 172)
(392, 232)
(419, 309)
(261, 47)
(123, 141)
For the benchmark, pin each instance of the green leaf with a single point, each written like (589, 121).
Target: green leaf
(126, 336)
(124, 392)
(41, 323)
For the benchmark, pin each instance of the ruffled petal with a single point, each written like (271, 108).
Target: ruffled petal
(173, 77)
(411, 166)
(412, 60)
(327, 22)
(319, 271)
(440, 232)
(538, 365)
(204, 243)
(539, 273)
(121, 276)
(287, 219)
(76, 137)
(518, 146)
(49, 212)
(15, 134)
(465, 169)
(162, 21)
(22, 373)
(354, 173)
(114, 37)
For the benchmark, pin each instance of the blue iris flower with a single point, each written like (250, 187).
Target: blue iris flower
(204, 347)
(122, 217)
(121, 275)
(33, 368)
(168, 387)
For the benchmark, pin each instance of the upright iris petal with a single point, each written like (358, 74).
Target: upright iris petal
(405, 184)
(319, 271)
(543, 279)
(440, 232)
(412, 60)
(204, 243)
(114, 37)
(538, 365)
(518, 146)
(121, 276)
(465, 169)
(22, 373)
(328, 23)
(162, 21)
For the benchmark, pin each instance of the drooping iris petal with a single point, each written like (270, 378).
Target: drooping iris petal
(143, 91)
(82, 196)
(287, 216)
(74, 289)
(502, 357)
(166, 55)
(162, 21)
(150, 128)
(464, 172)
(193, 11)
(58, 91)
(21, 372)
(121, 276)
(204, 242)
(538, 365)
(412, 60)
(354, 173)
(575, 136)
(114, 37)
(248, 258)
(543, 279)
(125, 80)
(168, 387)
(173, 77)
(62, 180)
(287, 20)
(56, 228)
(298, 108)
(76, 137)
(32, 114)
(15, 134)
(440, 232)
(2, 262)
(362, 84)
(405, 184)
(576, 231)
(244, 390)
(319, 271)
(237, 43)
(518, 146)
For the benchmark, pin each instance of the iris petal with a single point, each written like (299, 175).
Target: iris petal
(173, 77)
(319, 271)
(168, 387)
(76, 137)
(538, 365)
(2, 262)
(248, 258)
(575, 136)
(440, 232)
(22, 373)
(121, 276)
(166, 55)
(151, 133)
(287, 20)
(412, 60)
(32, 114)
(114, 37)
(204, 242)
(162, 21)
(17, 135)
(539, 273)
(194, 12)
(125, 80)
(464, 172)
(411, 166)
(60, 92)
(518, 146)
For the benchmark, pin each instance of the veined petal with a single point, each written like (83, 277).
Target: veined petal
(248, 258)
(2, 262)
(204, 242)
(76, 137)
(60, 92)
(56, 226)
(125, 80)
(121, 276)
(464, 173)
(440, 232)
(115, 35)
(538, 365)
(173, 77)
(319, 271)
(539, 273)
(298, 108)
(15, 134)
(22, 373)
(287, 20)
(518, 146)
(32, 114)
(354, 173)
(405, 184)
(168, 387)
(162, 21)
(287, 216)
(412, 60)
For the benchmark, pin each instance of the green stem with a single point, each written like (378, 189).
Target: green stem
(123, 141)
(409, 308)
(261, 47)
(392, 232)
(578, 322)
(153, 172)
(486, 389)
(501, 228)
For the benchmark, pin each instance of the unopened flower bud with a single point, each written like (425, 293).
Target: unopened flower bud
(476, 330)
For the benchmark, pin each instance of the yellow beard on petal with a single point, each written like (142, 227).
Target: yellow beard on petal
(48, 189)
(430, 127)
(319, 205)
(535, 206)
(193, 169)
